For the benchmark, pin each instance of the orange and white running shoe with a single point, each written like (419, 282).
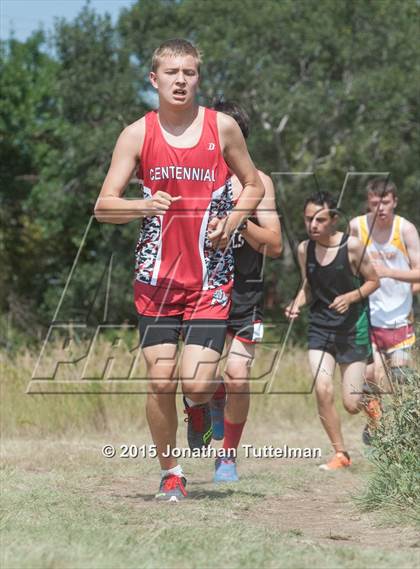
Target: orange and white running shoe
(373, 410)
(339, 460)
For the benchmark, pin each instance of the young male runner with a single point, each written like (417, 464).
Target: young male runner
(259, 236)
(331, 265)
(393, 245)
(183, 154)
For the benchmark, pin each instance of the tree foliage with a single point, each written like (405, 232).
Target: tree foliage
(330, 88)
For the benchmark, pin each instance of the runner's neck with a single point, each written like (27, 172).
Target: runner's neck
(381, 229)
(177, 121)
(331, 241)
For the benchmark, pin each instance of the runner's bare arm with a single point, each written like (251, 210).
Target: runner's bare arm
(354, 228)
(412, 243)
(110, 206)
(408, 276)
(265, 237)
(304, 295)
(362, 266)
(239, 161)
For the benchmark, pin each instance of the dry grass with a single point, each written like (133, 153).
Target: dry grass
(66, 506)
(66, 404)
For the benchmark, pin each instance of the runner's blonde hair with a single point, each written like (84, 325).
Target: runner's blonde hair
(176, 46)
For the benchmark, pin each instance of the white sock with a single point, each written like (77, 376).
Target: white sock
(190, 403)
(177, 470)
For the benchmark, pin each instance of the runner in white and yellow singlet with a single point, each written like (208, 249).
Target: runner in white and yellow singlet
(393, 244)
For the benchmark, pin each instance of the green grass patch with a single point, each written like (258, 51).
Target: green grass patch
(75, 517)
(395, 454)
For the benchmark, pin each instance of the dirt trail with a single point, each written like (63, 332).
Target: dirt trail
(307, 503)
(322, 512)
(291, 497)
(327, 514)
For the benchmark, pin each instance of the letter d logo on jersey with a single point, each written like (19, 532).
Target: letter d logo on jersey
(211, 146)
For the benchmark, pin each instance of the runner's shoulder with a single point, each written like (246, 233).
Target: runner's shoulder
(408, 226)
(132, 136)
(135, 129)
(302, 253)
(225, 120)
(302, 247)
(353, 243)
(354, 224)
(229, 131)
(226, 124)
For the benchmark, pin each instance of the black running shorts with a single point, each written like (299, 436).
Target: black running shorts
(344, 348)
(169, 329)
(246, 317)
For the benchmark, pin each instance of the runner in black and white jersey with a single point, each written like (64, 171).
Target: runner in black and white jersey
(260, 235)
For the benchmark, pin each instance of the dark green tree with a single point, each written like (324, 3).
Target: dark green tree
(330, 87)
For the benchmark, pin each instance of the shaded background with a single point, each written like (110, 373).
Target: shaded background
(331, 87)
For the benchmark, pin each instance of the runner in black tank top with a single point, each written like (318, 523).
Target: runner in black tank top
(246, 314)
(338, 324)
(326, 283)
(259, 235)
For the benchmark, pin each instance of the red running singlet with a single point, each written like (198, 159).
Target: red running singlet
(173, 250)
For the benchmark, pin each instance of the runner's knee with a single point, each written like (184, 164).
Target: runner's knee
(236, 376)
(239, 385)
(198, 392)
(324, 391)
(161, 385)
(352, 406)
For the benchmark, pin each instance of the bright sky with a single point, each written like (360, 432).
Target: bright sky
(24, 16)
